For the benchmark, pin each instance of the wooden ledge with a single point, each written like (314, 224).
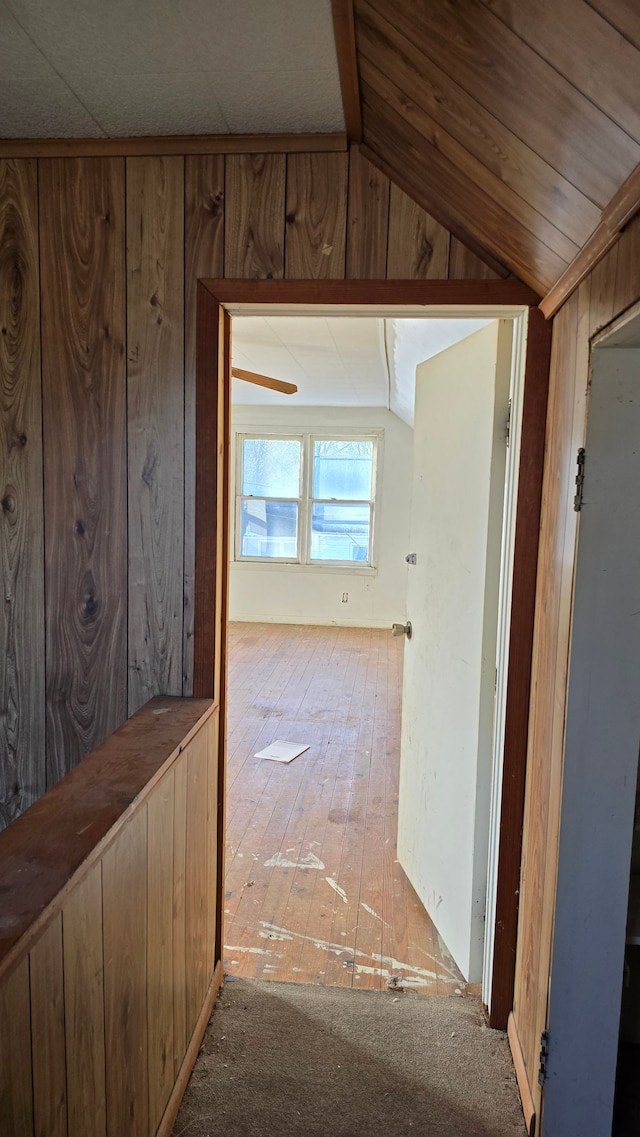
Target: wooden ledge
(67, 829)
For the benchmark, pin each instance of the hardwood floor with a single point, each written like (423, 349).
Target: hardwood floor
(314, 892)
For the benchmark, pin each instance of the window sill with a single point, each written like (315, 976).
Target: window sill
(279, 566)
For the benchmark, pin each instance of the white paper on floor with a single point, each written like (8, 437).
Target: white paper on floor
(280, 751)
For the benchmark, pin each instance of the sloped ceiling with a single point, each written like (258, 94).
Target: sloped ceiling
(513, 123)
(79, 68)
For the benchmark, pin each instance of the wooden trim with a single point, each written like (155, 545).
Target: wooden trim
(173, 1105)
(224, 640)
(344, 31)
(364, 293)
(204, 600)
(525, 564)
(528, 1107)
(179, 144)
(619, 212)
(449, 221)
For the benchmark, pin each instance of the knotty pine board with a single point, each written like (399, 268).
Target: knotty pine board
(367, 220)
(418, 245)
(254, 215)
(22, 679)
(155, 426)
(82, 250)
(316, 216)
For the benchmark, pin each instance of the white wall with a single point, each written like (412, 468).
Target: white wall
(304, 594)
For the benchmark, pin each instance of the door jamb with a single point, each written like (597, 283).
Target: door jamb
(215, 300)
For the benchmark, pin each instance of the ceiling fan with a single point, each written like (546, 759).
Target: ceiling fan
(264, 381)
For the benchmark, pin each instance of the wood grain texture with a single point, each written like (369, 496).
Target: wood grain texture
(22, 680)
(210, 349)
(418, 244)
(478, 178)
(155, 425)
(16, 1104)
(124, 903)
(215, 840)
(361, 293)
(204, 256)
(196, 880)
(160, 949)
(586, 49)
(254, 216)
(367, 219)
(442, 187)
(315, 216)
(180, 1036)
(389, 48)
(83, 373)
(467, 41)
(465, 265)
(623, 15)
(345, 38)
(47, 1033)
(84, 1007)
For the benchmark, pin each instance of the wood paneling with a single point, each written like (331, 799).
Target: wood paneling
(22, 726)
(155, 425)
(254, 217)
(462, 104)
(196, 879)
(315, 216)
(611, 288)
(204, 256)
(47, 1033)
(83, 373)
(160, 950)
(16, 1091)
(124, 929)
(87, 992)
(367, 220)
(84, 1007)
(465, 265)
(418, 245)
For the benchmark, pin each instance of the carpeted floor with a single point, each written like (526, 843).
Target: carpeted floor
(290, 1060)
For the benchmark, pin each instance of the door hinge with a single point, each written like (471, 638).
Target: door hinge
(508, 427)
(577, 501)
(544, 1057)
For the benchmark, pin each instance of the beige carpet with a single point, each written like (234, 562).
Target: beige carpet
(288, 1060)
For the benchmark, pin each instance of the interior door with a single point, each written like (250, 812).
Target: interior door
(461, 412)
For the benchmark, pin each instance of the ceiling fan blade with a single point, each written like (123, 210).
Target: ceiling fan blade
(264, 381)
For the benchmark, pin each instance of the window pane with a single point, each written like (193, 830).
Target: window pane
(269, 529)
(271, 467)
(342, 470)
(340, 533)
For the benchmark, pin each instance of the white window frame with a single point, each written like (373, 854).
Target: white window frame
(306, 501)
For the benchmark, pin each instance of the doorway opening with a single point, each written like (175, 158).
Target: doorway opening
(251, 297)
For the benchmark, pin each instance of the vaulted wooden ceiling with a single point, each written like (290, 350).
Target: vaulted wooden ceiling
(514, 124)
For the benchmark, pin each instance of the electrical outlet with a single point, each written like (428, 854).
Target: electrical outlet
(345, 597)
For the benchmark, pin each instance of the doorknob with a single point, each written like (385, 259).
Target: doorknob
(402, 629)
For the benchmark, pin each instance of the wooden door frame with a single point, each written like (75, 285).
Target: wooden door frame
(215, 300)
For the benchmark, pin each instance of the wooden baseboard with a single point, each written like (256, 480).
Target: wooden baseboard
(173, 1105)
(528, 1107)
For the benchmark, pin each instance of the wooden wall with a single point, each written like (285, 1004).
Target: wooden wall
(99, 259)
(105, 995)
(611, 288)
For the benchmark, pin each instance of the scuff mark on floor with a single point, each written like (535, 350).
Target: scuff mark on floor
(336, 888)
(373, 913)
(253, 951)
(281, 861)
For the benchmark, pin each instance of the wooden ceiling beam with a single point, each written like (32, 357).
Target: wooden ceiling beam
(345, 36)
(187, 144)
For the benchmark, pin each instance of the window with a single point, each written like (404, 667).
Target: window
(305, 499)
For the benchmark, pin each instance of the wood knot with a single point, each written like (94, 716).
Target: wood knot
(8, 503)
(290, 218)
(22, 439)
(79, 528)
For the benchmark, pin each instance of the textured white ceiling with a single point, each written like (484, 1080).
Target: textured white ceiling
(341, 361)
(95, 68)
(336, 361)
